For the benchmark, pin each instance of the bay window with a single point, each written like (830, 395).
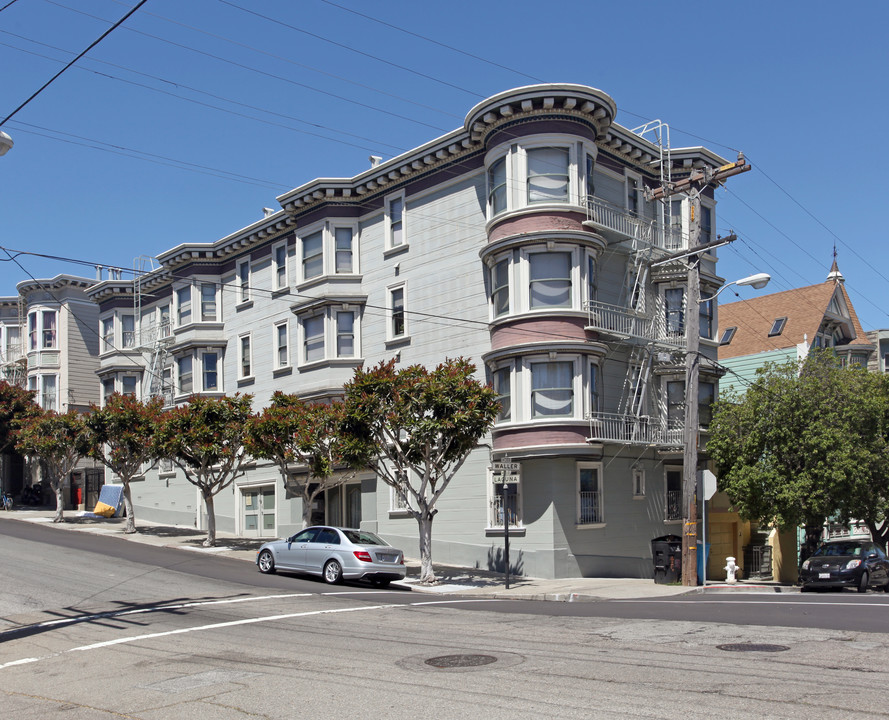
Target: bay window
(547, 174)
(210, 366)
(183, 306)
(502, 384)
(343, 250)
(500, 287)
(345, 334)
(550, 279)
(313, 255)
(497, 186)
(184, 371)
(128, 330)
(42, 330)
(313, 338)
(208, 302)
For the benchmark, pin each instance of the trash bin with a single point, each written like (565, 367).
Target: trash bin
(666, 553)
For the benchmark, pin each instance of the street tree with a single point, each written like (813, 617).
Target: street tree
(205, 439)
(415, 428)
(306, 443)
(119, 436)
(806, 442)
(16, 406)
(57, 442)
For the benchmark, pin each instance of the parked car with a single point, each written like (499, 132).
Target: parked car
(335, 554)
(846, 563)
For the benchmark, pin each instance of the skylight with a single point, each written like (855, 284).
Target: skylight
(778, 326)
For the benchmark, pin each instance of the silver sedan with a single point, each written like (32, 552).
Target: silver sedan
(335, 554)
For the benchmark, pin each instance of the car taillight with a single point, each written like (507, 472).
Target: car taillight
(401, 560)
(363, 556)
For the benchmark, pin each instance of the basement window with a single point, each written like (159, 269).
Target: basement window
(777, 326)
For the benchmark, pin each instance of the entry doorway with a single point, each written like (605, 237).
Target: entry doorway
(258, 511)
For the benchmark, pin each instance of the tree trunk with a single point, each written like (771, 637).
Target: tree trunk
(211, 520)
(427, 574)
(814, 531)
(130, 527)
(308, 498)
(60, 501)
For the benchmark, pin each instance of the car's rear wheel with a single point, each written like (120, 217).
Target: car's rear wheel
(862, 583)
(333, 572)
(266, 562)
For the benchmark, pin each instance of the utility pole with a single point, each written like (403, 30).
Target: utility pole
(692, 186)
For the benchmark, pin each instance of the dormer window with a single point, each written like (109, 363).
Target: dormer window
(778, 326)
(727, 335)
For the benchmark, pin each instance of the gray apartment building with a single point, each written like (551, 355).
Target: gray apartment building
(522, 240)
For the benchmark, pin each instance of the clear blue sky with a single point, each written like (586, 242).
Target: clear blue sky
(192, 116)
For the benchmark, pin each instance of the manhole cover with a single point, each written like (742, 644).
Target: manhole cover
(752, 647)
(460, 661)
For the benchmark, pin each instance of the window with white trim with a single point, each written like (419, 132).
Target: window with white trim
(674, 311)
(591, 278)
(500, 287)
(706, 318)
(590, 505)
(549, 282)
(183, 306)
(282, 345)
(313, 255)
(593, 386)
(344, 252)
(505, 504)
(279, 259)
(548, 174)
(243, 280)
(108, 334)
(208, 302)
(245, 356)
(633, 187)
(167, 386)
(502, 383)
(552, 389)
(345, 334)
(673, 494)
(313, 338)
(395, 236)
(184, 372)
(638, 482)
(163, 321)
(397, 319)
(129, 384)
(128, 330)
(210, 371)
(107, 389)
(497, 196)
(42, 330)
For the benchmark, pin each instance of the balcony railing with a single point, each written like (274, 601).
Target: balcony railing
(634, 430)
(626, 323)
(618, 220)
(673, 511)
(590, 508)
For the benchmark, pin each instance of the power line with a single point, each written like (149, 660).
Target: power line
(90, 47)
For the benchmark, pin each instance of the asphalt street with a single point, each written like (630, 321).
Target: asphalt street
(97, 627)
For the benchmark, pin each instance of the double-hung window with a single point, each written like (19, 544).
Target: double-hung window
(674, 311)
(344, 260)
(210, 368)
(313, 338)
(706, 398)
(706, 318)
(676, 403)
(184, 370)
(632, 196)
(244, 280)
(497, 186)
(552, 389)
(128, 330)
(48, 387)
(345, 334)
(589, 494)
(550, 279)
(208, 302)
(282, 346)
(313, 255)
(279, 254)
(49, 329)
(397, 320)
(502, 383)
(164, 321)
(107, 334)
(395, 221)
(594, 388)
(42, 330)
(245, 357)
(547, 174)
(107, 389)
(129, 383)
(500, 287)
(183, 306)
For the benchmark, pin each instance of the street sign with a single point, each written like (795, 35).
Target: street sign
(505, 472)
(508, 467)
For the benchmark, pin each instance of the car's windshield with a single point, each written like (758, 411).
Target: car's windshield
(363, 537)
(847, 548)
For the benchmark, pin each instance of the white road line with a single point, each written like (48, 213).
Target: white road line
(231, 623)
(759, 602)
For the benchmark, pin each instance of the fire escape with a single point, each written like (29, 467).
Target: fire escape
(640, 322)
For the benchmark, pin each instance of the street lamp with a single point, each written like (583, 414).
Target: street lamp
(5, 143)
(690, 431)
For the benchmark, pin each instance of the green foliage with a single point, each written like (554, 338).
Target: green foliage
(16, 407)
(120, 434)
(205, 438)
(806, 443)
(53, 438)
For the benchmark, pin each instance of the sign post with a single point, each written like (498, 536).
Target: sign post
(708, 486)
(505, 473)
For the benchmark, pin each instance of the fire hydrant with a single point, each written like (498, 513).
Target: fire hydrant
(730, 568)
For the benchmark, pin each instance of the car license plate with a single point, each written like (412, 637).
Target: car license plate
(824, 576)
(386, 557)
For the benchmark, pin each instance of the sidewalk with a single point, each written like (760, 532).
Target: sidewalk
(466, 582)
